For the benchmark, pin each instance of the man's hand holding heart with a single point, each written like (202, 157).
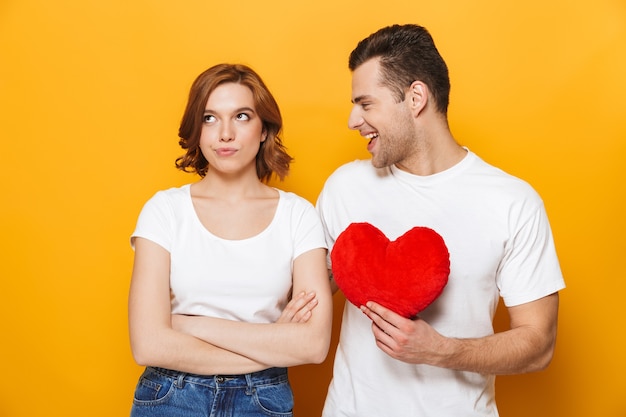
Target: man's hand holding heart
(391, 282)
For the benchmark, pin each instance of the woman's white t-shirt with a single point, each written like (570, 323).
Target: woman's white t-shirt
(245, 280)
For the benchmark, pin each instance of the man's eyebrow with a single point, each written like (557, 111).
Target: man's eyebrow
(359, 99)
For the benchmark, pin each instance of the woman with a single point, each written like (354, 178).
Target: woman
(216, 263)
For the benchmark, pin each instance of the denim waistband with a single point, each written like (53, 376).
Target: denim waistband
(266, 376)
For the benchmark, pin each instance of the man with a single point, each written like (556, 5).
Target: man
(495, 227)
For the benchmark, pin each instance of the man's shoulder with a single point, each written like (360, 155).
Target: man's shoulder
(359, 168)
(357, 164)
(478, 168)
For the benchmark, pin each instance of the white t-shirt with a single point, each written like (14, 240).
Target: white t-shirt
(500, 244)
(246, 280)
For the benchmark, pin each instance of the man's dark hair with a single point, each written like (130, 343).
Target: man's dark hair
(406, 53)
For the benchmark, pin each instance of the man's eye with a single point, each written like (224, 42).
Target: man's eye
(208, 118)
(243, 116)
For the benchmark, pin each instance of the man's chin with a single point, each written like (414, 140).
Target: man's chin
(377, 163)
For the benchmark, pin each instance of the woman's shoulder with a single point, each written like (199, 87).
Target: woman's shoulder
(293, 199)
(173, 193)
(170, 198)
(298, 213)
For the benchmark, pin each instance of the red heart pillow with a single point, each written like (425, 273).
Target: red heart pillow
(404, 275)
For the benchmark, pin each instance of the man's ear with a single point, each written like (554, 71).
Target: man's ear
(417, 96)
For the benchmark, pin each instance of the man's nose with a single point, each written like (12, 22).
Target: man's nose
(355, 120)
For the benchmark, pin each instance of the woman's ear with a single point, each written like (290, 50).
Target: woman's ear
(418, 96)
(263, 135)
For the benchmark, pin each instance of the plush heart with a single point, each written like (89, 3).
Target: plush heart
(405, 275)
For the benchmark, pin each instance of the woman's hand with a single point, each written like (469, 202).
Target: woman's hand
(298, 336)
(299, 309)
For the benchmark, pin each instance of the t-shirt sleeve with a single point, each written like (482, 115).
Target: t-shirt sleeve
(331, 204)
(530, 268)
(321, 209)
(309, 231)
(155, 222)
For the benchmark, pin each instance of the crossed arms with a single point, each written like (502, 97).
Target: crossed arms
(205, 345)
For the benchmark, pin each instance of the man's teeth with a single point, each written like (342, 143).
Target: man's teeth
(371, 136)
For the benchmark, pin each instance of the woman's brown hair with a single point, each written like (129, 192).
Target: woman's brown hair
(272, 157)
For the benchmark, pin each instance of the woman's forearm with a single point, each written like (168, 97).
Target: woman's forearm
(277, 344)
(167, 348)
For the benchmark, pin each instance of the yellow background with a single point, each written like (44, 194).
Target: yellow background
(91, 93)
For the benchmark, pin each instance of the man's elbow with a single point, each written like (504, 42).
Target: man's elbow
(542, 359)
(545, 360)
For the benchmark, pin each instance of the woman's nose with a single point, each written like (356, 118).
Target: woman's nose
(226, 133)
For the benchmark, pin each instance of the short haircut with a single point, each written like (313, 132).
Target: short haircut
(406, 53)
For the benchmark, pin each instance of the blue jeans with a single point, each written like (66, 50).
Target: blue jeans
(166, 393)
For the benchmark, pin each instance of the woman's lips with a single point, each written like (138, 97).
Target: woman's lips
(225, 151)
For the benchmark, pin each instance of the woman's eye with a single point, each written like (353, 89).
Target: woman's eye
(243, 116)
(208, 118)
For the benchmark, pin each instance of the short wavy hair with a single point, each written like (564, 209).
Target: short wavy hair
(272, 158)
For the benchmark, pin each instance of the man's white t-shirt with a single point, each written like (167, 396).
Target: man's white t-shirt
(500, 245)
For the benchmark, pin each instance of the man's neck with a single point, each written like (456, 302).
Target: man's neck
(436, 153)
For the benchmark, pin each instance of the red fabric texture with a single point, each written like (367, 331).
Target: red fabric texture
(405, 275)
